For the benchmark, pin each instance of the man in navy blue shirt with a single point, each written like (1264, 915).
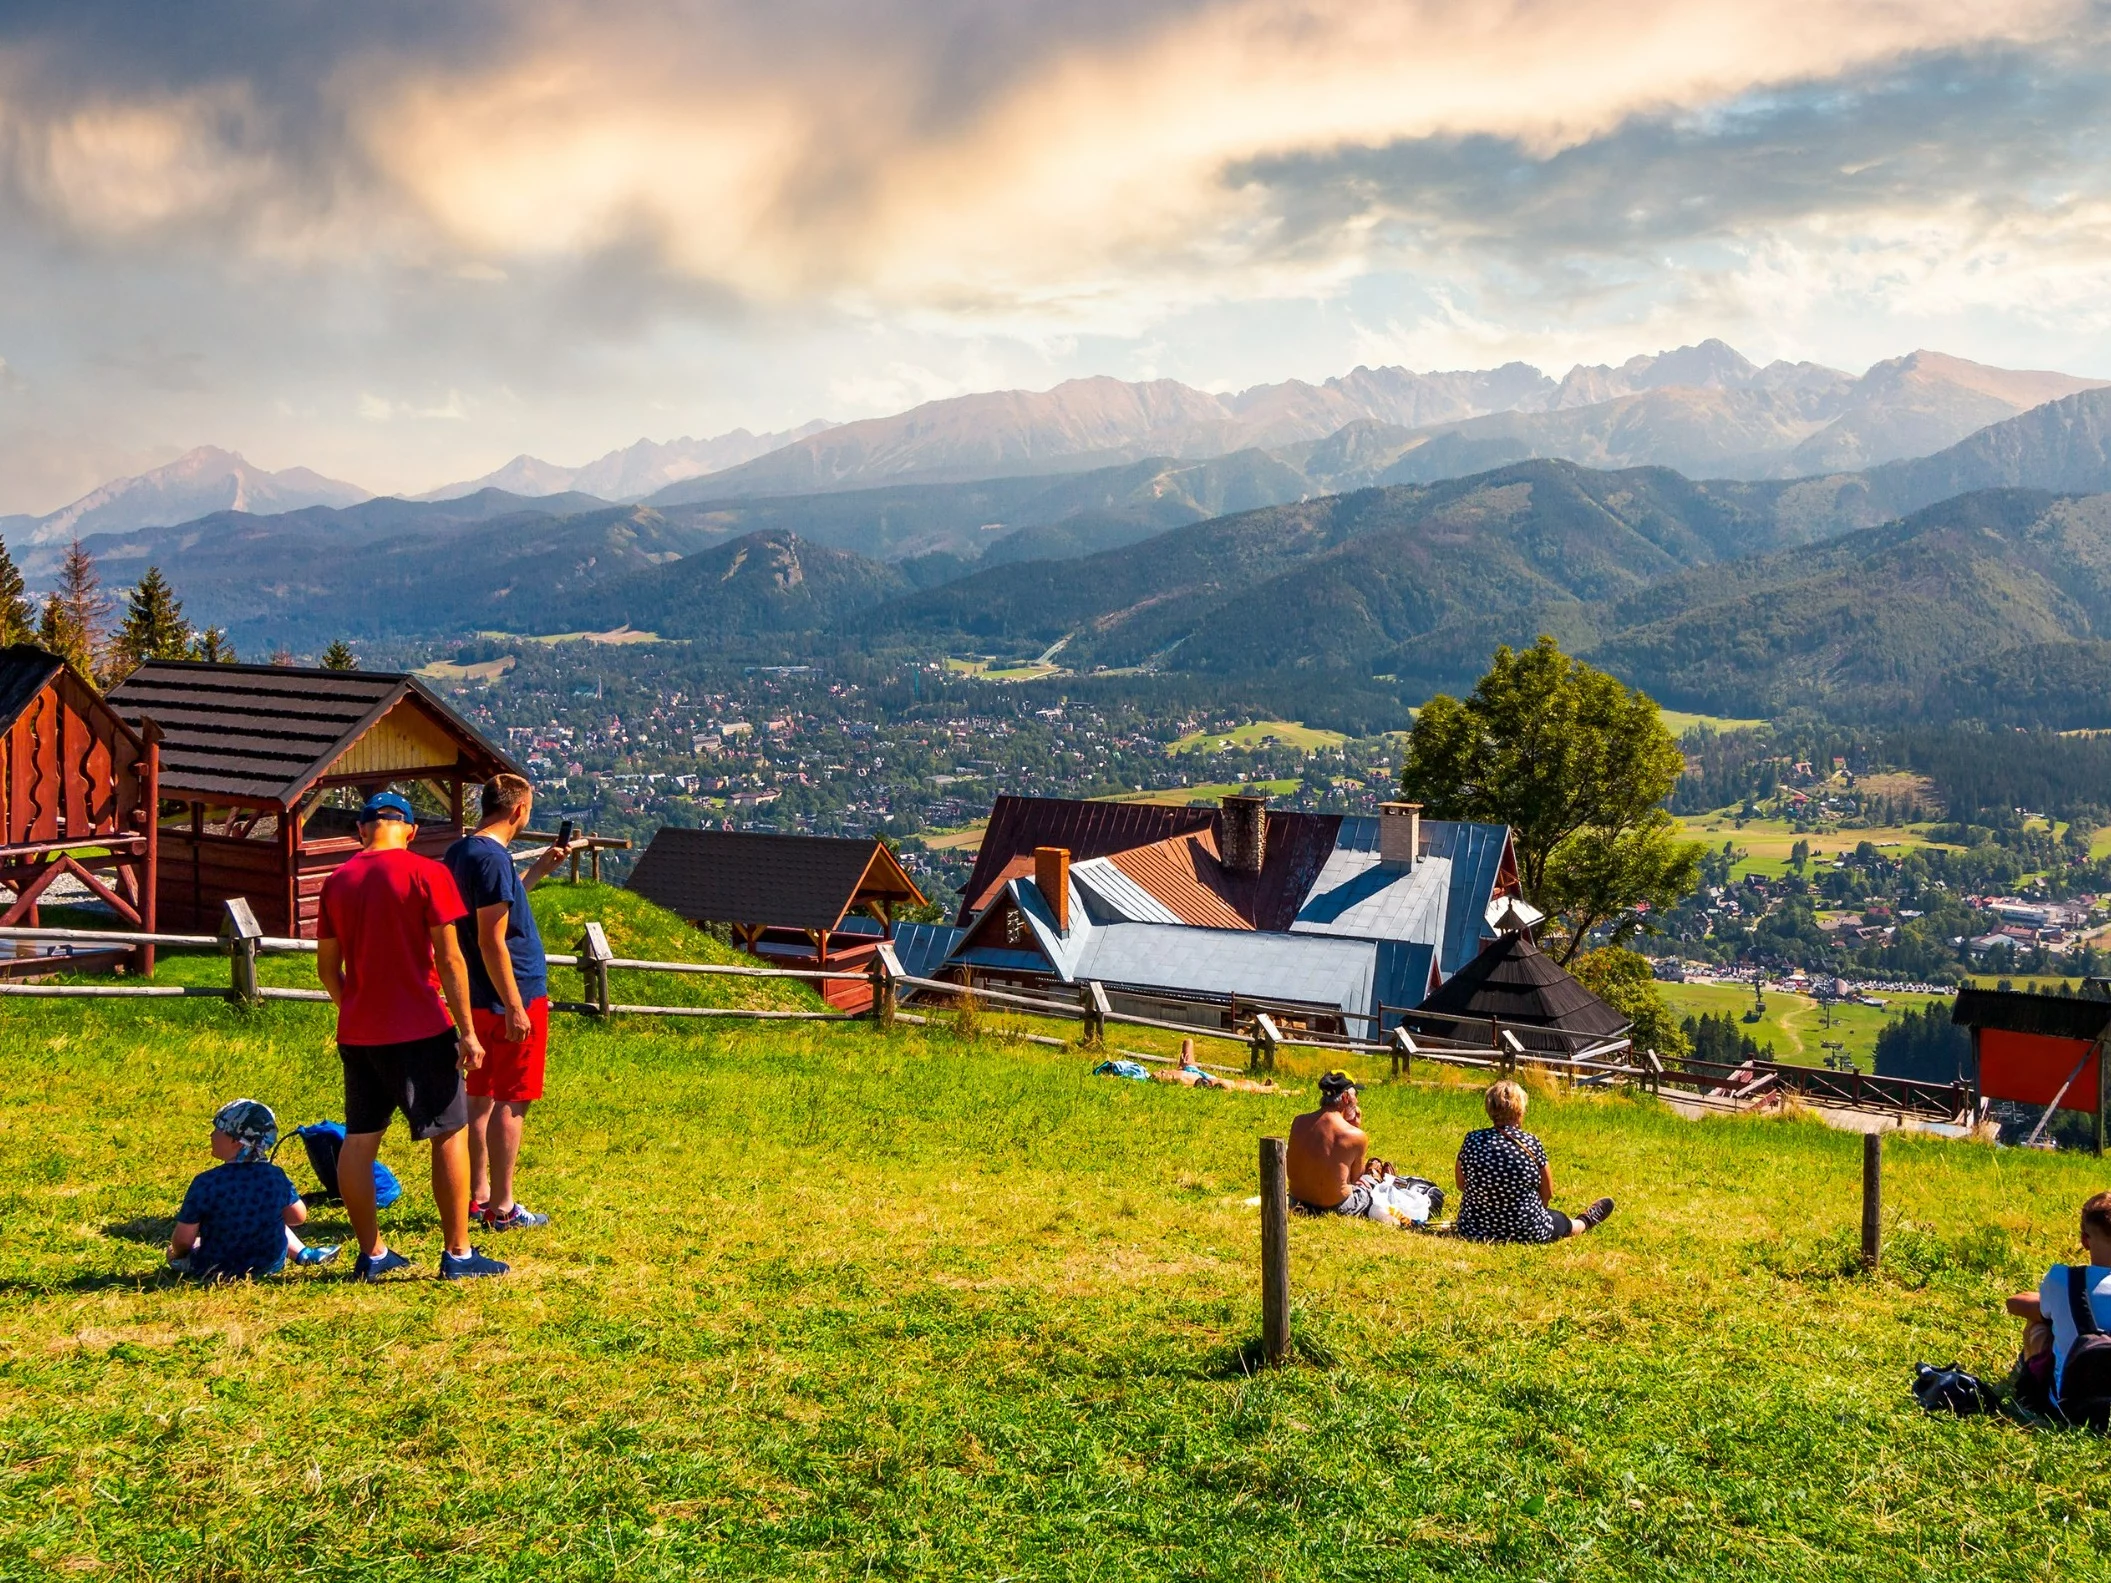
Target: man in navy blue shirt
(508, 992)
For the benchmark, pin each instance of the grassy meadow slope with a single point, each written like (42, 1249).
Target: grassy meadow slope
(836, 1303)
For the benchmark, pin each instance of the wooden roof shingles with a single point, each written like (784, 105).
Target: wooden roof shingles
(1513, 981)
(754, 878)
(264, 733)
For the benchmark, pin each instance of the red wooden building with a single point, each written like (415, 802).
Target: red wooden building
(264, 766)
(2040, 1049)
(77, 790)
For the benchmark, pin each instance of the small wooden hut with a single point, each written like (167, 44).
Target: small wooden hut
(77, 793)
(2040, 1050)
(263, 768)
(793, 900)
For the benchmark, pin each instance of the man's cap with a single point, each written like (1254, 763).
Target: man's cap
(250, 1123)
(1336, 1083)
(387, 805)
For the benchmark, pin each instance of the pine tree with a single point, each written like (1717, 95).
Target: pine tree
(283, 658)
(87, 608)
(154, 628)
(58, 633)
(213, 648)
(18, 617)
(339, 657)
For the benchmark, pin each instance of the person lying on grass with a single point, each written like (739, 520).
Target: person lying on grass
(2049, 1328)
(1506, 1189)
(1330, 1173)
(1188, 1075)
(237, 1219)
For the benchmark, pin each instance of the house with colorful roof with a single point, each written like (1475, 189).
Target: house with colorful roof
(1329, 922)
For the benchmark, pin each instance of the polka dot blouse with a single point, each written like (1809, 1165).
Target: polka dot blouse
(1500, 1201)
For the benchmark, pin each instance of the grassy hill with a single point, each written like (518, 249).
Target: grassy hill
(835, 1303)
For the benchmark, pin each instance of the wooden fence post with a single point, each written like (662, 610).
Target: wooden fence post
(2103, 1090)
(1266, 1037)
(241, 931)
(1872, 1199)
(1096, 1013)
(1275, 1251)
(886, 968)
(1656, 1071)
(594, 957)
(1403, 1053)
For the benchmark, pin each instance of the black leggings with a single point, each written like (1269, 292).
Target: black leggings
(1563, 1226)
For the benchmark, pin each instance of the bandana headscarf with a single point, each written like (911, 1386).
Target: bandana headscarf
(250, 1123)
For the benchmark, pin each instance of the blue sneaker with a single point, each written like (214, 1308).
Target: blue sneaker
(320, 1255)
(518, 1218)
(468, 1266)
(368, 1268)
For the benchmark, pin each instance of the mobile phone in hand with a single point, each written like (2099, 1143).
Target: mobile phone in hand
(564, 836)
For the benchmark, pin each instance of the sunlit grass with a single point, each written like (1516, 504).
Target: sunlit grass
(831, 1302)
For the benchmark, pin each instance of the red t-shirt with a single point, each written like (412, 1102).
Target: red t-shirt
(381, 908)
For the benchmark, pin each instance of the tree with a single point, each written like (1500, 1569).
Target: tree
(18, 617)
(339, 657)
(153, 629)
(1623, 980)
(1799, 856)
(60, 634)
(213, 648)
(87, 607)
(1577, 766)
(283, 658)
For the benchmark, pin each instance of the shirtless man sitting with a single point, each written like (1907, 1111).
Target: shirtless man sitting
(1327, 1150)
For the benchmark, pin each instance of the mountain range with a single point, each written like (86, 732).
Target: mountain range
(632, 473)
(197, 483)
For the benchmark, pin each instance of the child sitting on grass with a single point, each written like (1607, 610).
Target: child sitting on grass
(237, 1219)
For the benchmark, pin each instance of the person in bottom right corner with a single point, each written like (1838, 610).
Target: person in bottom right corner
(2052, 1325)
(1506, 1189)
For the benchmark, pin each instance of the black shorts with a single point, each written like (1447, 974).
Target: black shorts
(419, 1078)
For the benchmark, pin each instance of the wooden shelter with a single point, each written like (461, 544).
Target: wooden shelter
(2040, 1050)
(77, 793)
(794, 900)
(264, 766)
(1513, 984)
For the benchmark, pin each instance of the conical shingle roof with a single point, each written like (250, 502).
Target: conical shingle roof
(1513, 981)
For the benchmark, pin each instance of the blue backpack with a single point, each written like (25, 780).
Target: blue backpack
(322, 1142)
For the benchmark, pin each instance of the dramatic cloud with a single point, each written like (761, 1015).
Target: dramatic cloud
(493, 226)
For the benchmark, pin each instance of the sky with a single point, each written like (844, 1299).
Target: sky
(400, 243)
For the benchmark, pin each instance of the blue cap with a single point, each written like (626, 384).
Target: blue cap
(387, 805)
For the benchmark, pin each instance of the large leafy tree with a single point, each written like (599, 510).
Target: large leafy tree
(1578, 766)
(18, 617)
(153, 628)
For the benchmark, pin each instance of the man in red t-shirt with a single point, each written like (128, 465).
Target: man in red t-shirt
(386, 952)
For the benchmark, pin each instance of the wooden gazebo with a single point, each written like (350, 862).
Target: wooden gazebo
(263, 767)
(77, 790)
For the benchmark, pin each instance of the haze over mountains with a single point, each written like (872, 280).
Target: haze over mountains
(633, 472)
(200, 481)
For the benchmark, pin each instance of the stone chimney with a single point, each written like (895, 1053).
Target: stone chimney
(1052, 879)
(1399, 834)
(1242, 834)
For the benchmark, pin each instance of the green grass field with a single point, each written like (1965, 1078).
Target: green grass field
(1259, 733)
(1678, 722)
(1769, 842)
(837, 1303)
(1795, 1024)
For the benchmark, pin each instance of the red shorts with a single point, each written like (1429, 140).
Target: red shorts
(511, 1072)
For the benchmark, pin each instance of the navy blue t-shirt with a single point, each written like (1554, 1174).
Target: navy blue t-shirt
(484, 875)
(239, 1209)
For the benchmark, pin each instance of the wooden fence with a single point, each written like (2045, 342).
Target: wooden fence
(1579, 1060)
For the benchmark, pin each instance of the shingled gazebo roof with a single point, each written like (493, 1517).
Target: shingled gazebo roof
(756, 878)
(1513, 981)
(266, 733)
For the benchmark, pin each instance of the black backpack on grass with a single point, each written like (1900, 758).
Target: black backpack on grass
(2085, 1376)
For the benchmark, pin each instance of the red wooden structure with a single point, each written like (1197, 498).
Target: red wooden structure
(78, 787)
(2040, 1049)
(264, 766)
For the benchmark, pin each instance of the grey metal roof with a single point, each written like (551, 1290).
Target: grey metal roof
(1114, 897)
(1476, 854)
(922, 948)
(1356, 895)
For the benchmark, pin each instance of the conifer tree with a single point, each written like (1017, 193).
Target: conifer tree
(339, 657)
(154, 628)
(87, 623)
(213, 648)
(60, 634)
(18, 617)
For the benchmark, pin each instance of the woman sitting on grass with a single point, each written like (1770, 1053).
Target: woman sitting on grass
(1505, 1186)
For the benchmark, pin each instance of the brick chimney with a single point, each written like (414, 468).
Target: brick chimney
(1052, 879)
(1399, 834)
(1242, 834)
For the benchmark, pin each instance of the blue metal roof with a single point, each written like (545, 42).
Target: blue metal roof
(1476, 853)
(1400, 977)
(923, 947)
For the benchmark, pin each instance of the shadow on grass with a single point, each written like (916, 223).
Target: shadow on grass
(99, 1281)
(1250, 1357)
(153, 1229)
